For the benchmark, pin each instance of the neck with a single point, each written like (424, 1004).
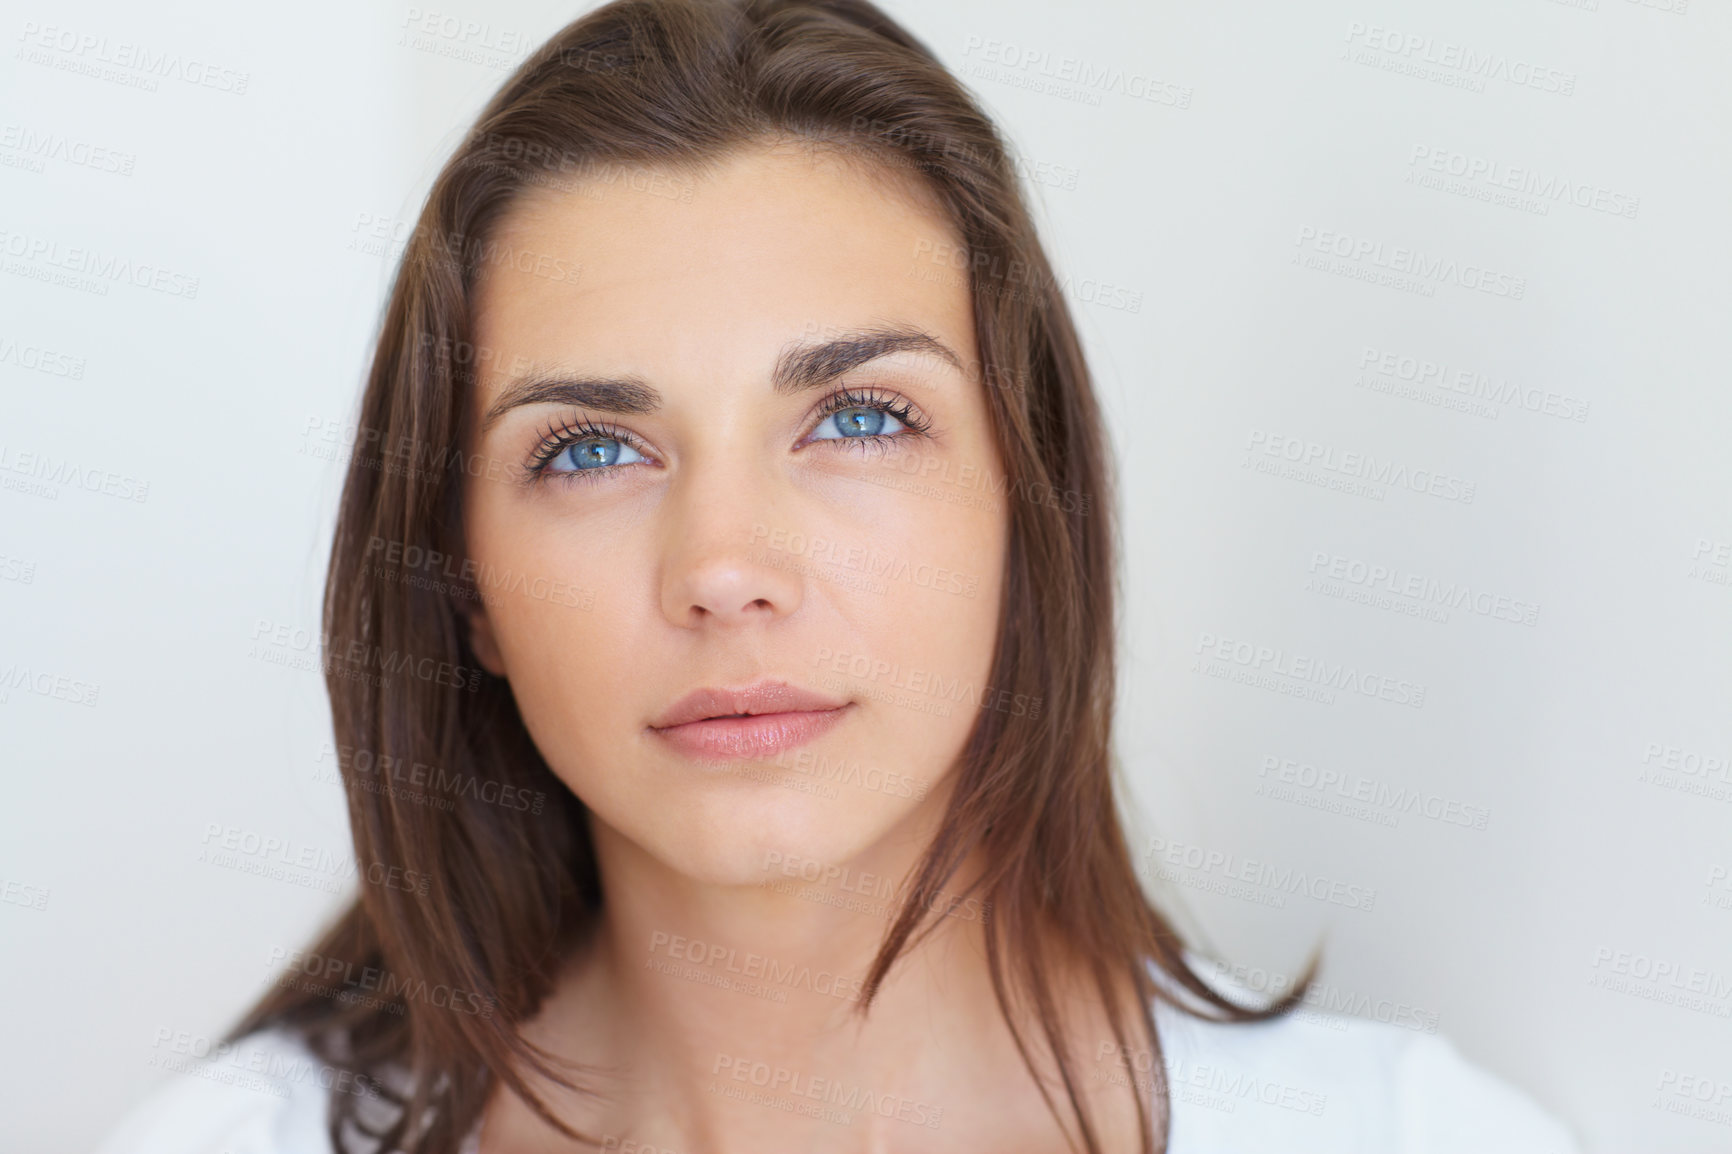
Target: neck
(729, 1012)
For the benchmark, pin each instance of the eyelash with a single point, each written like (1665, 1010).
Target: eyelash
(560, 435)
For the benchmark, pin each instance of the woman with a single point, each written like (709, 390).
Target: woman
(729, 543)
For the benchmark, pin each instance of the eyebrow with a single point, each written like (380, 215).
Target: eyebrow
(799, 367)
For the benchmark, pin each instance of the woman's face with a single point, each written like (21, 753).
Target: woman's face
(727, 433)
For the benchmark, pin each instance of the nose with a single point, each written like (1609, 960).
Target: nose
(716, 571)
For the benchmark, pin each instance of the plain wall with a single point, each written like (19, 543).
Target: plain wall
(1425, 492)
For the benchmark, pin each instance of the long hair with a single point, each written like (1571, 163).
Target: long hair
(475, 889)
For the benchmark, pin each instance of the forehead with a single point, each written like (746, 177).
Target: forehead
(680, 274)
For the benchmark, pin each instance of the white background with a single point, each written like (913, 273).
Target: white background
(1584, 738)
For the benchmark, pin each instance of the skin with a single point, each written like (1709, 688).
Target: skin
(696, 297)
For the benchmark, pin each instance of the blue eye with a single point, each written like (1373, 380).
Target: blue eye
(592, 453)
(858, 421)
(581, 449)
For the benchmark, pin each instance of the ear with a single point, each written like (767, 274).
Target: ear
(482, 640)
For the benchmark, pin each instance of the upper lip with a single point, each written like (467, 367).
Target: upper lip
(759, 697)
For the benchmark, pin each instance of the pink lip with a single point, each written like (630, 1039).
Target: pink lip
(781, 716)
(760, 736)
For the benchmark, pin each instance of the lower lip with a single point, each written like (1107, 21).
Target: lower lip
(759, 736)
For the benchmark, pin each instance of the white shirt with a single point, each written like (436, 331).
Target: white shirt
(1306, 1083)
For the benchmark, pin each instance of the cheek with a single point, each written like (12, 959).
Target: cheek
(563, 613)
(928, 537)
(914, 575)
(921, 585)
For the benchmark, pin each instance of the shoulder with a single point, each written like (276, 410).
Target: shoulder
(1446, 1103)
(1328, 1082)
(265, 1094)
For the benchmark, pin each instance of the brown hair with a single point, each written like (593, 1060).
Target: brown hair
(671, 85)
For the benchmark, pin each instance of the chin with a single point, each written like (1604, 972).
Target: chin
(743, 834)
